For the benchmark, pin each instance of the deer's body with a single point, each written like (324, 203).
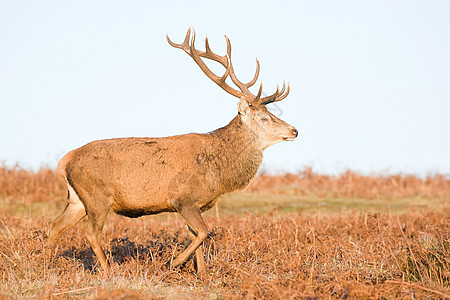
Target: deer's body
(142, 176)
(184, 174)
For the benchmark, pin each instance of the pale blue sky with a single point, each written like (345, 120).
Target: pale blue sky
(370, 79)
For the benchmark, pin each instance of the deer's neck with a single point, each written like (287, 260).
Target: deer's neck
(237, 154)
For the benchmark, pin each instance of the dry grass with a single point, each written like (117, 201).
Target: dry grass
(353, 185)
(269, 256)
(276, 255)
(19, 184)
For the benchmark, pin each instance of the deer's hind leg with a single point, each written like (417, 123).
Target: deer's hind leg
(97, 206)
(72, 214)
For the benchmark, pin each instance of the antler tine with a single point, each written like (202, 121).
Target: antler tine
(271, 98)
(227, 71)
(277, 96)
(256, 100)
(211, 55)
(255, 77)
(208, 49)
(185, 45)
(228, 45)
(284, 87)
(242, 86)
(285, 95)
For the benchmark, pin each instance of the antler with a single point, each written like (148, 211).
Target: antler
(189, 48)
(277, 96)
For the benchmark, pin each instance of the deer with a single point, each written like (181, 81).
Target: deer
(184, 174)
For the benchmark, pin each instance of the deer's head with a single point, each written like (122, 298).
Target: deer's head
(252, 108)
(267, 127)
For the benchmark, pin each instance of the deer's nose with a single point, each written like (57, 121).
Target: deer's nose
(295, 132)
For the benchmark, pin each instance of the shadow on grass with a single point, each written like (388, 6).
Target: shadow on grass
(123, 249)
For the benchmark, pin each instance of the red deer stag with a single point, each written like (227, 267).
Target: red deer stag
(184, 174)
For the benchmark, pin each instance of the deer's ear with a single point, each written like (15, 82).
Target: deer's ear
(244, 107)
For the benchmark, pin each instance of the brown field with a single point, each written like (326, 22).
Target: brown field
(301, 236)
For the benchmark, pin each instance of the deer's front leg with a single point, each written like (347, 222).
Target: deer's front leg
(195, 221)
(198, 255)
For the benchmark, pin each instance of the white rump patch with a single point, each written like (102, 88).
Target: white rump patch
(73, 196)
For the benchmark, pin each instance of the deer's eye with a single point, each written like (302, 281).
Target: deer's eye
(264, 119)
